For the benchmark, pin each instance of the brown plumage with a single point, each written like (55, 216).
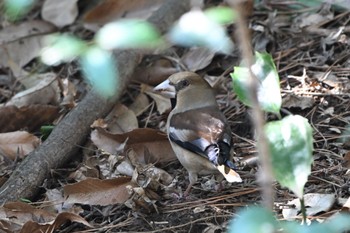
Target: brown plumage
(198, 131)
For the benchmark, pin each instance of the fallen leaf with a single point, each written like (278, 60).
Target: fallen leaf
(293, 101)
(20, 213)
(21, 51)
(153, 141)
(312, 19)
(155, 72)
(147, 175)
(98, 192)
(54, 200)
(110, 10)
(31, 226)
(163, 103)
(314, 203)
(25, 29)
(30, 117)
(346, 160)
(47, 91)
(121, 120)
(346, 206)
(17, 144)
(60, 13)
(197, 58)
(140, 104)
(8, 226)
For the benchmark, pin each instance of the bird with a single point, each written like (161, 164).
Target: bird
(198, 131)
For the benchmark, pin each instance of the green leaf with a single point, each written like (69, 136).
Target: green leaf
(25, 200)
(337, 224)
(221, 15)
(240, 79)
(61, 48)
(129, 33)
(99, 67)
(291, 145)
(269, 94)
(189, 32)
(45, 131)
(14, 9)
(254, 219)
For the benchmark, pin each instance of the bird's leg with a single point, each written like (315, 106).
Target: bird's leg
(193, 179)
(220, 179)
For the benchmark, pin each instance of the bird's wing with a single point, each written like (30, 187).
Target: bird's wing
(204, 131)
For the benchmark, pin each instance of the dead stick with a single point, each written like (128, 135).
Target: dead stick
(62, 143)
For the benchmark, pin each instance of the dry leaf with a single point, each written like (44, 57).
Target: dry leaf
(140, 104)
(17, 144)
(197, 58)
(293, 101)
(45, 92)
(154, 73)
(110, 10)
(346, 160)
(9, 227)
(314, 202)
(121, 120)
(163, 103)
(60, 13)
(25, 29)
(313, 19)
(20, 213)
(69, 92)
(98, 192)
(21, 52)
(346, 206)
(62, 218)
(30, 117)
(153, 141)
(54, 200)
(147, 175)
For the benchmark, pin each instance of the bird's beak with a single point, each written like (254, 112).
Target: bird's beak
(166, 89)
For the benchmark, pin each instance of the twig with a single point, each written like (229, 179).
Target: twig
(266, 178)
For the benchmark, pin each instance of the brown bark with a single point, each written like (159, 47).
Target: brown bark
(72, 131)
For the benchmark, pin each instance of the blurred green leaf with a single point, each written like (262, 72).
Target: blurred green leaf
(269, 94)
(99, 67)
(45, 131)
(61, 48)
(15, 9)
(260, 220)
(240, 79)
(196, 28)
(337, 224)
(291, 146)
(25, 200)
(254, 219)
(221, 15)
(129, 33)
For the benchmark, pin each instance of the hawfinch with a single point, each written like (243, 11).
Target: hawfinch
(198, 131)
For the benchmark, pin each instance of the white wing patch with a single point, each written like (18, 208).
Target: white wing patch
(231, 176)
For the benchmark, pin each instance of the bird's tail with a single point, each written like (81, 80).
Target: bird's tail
(229, 174)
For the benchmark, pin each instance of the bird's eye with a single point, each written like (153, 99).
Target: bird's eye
(184, 83)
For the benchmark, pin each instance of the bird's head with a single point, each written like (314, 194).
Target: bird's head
(181, 83)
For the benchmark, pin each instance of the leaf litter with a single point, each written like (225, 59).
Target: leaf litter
(129, 160)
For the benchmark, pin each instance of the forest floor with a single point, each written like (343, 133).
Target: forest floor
(311, 50)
